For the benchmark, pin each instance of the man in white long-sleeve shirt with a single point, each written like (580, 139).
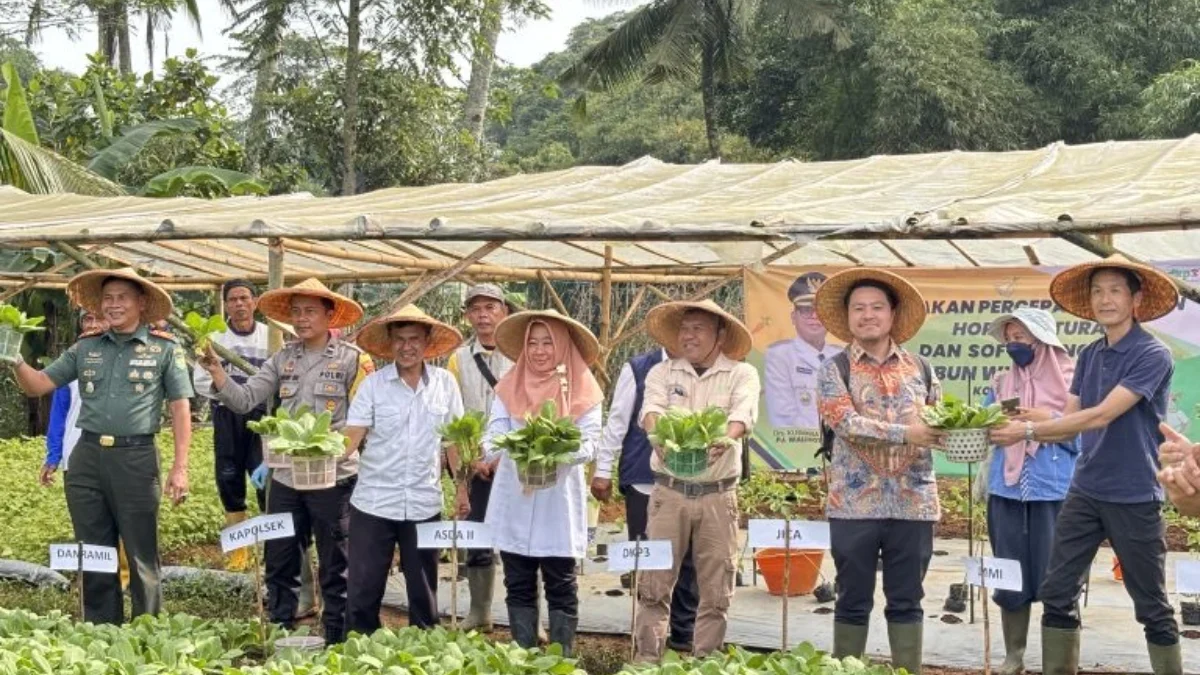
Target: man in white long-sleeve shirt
(238, 450)
(625, 439)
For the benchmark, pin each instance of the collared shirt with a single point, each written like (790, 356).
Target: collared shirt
(123, 379)
(620, 416)
(874, 474)
(400, 466)
(729, 385)
(790, 370)
(476, 392)
(322, 381)
(1119, 463)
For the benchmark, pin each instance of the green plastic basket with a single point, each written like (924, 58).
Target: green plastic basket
(686, 464)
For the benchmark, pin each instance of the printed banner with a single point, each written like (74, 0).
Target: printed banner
(790, 344)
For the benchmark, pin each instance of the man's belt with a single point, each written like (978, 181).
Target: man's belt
(107, 441)
(693, 490)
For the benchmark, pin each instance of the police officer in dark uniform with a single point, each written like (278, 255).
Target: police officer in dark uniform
(125, 373)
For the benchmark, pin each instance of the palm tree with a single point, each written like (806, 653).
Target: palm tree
(113, 18)
(683, 40)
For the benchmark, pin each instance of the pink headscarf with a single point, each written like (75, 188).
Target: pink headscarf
(1045, 383)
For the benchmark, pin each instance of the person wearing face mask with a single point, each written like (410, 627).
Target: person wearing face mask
(543, 530)
(1028, 481)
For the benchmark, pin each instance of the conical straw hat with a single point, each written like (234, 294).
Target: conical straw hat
(663, 322)
(1071, 288)
(510, 334)
(277, 304)
(374, 338)
(87, 288)
(832, 311)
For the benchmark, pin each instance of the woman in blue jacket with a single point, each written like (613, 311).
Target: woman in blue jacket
(1028, 481)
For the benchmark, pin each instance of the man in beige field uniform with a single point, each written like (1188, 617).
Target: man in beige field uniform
(700, 512)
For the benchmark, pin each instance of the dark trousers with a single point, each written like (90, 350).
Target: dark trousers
(325, 516)
(113, 496)
(373, 541)
(906, 547)
(238, 452)
(479, 491)
(685, 599)
(1138, 536)
(558, 576)
(1022, 531)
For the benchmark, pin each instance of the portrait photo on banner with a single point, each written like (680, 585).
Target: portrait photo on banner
(791, 345)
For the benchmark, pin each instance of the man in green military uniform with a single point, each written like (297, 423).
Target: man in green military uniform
(125, 373)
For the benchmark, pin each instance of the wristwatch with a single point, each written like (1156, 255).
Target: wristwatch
(1029, 432)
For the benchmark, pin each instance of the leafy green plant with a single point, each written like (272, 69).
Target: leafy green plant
(203, 329)
(769, 494)
(684, 431)
(953, 413)
(16, 320)
(308, 435)
(465, 433)
(269, 424)
(37, 516)
(803, 659)
(546, 440)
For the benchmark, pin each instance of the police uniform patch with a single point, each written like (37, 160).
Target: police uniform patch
(804, 370)
(155, 349)
(144, 363)
(89, 388)
(89, 373)
(140, 349)
(139, 387)
(135, 375)
(331, 405)
(148, 375)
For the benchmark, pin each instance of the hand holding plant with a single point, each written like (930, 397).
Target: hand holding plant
(952, 413)
(203, 329)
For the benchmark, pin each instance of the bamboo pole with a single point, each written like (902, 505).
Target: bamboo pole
(275, 253)
(526, 274)
(1099, 248)
(606, 303)
(554, 297)
(428, 282)
(633, 307)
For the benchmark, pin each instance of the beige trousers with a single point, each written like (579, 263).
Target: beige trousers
(710, 525)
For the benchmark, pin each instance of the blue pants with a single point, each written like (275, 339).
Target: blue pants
(1022, 531)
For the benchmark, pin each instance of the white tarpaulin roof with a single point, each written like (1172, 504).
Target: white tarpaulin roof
(562, 220)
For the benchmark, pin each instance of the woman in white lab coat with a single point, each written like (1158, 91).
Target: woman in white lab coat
(543, 529)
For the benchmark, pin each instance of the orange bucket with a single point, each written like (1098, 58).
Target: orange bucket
(803, 576)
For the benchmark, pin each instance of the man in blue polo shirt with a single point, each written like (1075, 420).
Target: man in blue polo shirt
(1118, 399)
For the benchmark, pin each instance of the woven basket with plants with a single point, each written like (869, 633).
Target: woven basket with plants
(541, 446)
(686, 436)
(267, 427)
(313, 449)
(966, 427)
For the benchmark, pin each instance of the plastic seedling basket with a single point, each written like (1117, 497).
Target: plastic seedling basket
(686, 464)
(538, 476)
(314, 473)
(275, 460)
(10, 343)
(967, 445)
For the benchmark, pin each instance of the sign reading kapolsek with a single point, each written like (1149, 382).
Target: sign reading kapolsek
(95, 558)
(262, 528)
